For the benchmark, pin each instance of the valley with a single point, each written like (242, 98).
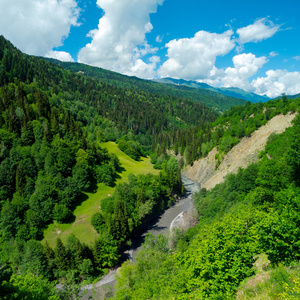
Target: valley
(95, 164)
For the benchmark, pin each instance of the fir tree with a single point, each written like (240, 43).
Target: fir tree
(61, 256)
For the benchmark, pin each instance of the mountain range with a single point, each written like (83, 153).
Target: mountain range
(230, 92)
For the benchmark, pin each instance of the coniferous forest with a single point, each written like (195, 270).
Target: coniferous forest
(53, 123)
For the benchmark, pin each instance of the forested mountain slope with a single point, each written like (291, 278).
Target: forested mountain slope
(138, 111)
(52, 125)
(212, 99)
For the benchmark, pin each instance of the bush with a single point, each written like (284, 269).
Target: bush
(97, 221)
(61, 213)
(105, 174)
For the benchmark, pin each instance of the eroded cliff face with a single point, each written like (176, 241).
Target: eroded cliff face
(241, 155)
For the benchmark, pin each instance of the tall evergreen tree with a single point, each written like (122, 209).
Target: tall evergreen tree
(61, 256)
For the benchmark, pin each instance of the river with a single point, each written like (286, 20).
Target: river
(160, 225)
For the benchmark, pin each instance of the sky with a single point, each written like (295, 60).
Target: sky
(253, 45)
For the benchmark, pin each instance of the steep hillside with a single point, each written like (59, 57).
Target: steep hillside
(56, 171)
(208, 173)
(212, 99)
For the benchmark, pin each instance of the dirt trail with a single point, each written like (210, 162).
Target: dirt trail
(241, 155)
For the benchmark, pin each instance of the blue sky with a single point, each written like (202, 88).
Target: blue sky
(253, 45)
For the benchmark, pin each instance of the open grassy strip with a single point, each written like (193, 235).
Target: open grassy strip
(90, 203)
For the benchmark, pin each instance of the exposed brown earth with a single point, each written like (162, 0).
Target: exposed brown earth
(241, 155)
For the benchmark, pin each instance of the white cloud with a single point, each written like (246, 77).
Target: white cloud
(277, 82)
(273, 54)
(60, 55)
(159, 39)
(194, 58)
(245, 66)
(261, 29)
(37, 26)
(119, 43)
(297, 58)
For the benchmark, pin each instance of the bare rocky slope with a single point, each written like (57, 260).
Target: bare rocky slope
(241, 155)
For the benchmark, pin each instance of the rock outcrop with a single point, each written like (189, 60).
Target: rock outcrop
(241, 155)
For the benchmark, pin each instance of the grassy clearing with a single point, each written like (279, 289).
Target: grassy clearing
(82, 227)
(281, 282)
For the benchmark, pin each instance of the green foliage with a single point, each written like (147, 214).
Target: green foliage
(139, 280)
(225, 132)
(97, 221)
(61, 256)
(50, 120)
(105, 251)
(61, 213)
(30, 286)
(106, 174)
(71, 288)
(159, 243)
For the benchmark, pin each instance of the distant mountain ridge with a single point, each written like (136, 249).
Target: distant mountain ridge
(215, 100)
(289, 96)
(230, 92)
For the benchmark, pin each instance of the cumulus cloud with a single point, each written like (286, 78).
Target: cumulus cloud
(60, 55)
(261, 29)
(37, 26)
(194, 58)
(245, 66)
(273, 54)
(277, 82)
(119, 43)
(297, 58)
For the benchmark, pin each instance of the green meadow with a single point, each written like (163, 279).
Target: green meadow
(90, 203)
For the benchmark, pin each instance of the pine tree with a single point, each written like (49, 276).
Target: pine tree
(61, 256)
(120, 225)
(50, 257)
(79, 253)
(20, 179)
(54, 120)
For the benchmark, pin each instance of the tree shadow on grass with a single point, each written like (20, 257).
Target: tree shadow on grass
(71, 219)
(121, 169)
(93, 187)
(79, 199)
